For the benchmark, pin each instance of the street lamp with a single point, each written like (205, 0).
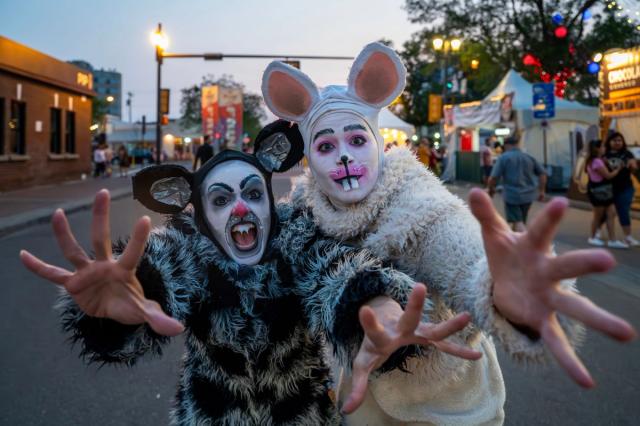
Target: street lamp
(110, 98)
(443, 45)
(161, 42)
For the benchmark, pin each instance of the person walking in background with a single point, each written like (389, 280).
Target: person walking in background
(486, 161)
(108, 160)
(518, 172)
(99, 161)
(618, 156)
(600, 192)
(204, 153)
(124, 161)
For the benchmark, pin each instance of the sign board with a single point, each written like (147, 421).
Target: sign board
(435, 108)
(544, 101)
(164, 101)
(222, 115)
(620, 82)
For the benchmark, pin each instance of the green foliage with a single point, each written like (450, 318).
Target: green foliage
(191, 112)
(99, 109)
(500, 32)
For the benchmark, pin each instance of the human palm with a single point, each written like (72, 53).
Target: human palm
(526, 280)
(387, 328)
(104, 287)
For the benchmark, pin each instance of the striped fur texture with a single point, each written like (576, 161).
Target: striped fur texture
(254, 335)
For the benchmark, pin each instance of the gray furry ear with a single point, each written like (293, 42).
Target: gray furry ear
(164, 189)
(279, 146)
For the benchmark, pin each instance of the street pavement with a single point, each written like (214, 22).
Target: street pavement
(43, 381)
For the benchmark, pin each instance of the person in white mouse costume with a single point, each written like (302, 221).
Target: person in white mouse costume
(518, 292)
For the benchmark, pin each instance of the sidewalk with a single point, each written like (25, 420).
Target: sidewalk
(25, 207)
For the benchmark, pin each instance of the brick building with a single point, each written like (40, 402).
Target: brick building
(45, 115)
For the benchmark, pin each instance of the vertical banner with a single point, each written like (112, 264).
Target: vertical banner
(209, 105)
(435, 108)
(222, 116)
(230, 107)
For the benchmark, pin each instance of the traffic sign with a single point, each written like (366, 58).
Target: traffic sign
(544, 100)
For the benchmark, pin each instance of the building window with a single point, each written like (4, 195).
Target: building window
(2, 123)
(17, 127)
(70, 133)
(55, 132)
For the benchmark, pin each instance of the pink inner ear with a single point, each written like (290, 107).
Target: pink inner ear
(288, 95)
(377, 80)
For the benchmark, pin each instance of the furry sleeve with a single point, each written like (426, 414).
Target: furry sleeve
(451, 258)
(169, 273)
(335, 280)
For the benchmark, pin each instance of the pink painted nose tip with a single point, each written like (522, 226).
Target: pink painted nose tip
(240, 209)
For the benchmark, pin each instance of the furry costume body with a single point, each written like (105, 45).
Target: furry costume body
(412, 221)
(254, 334)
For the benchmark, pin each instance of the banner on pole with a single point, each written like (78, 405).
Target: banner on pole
(222, 115)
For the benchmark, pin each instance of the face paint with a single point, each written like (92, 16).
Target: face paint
(343, 157)
(236, 206)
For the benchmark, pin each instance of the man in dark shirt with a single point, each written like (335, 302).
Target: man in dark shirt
(204, 153)
(518, 172)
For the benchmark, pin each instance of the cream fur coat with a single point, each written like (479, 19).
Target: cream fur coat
(413, 221)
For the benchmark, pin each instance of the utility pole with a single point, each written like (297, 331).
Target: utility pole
(129, 99)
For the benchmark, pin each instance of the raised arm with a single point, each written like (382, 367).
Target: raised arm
(116, 305)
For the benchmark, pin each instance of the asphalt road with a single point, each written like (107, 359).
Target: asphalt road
(43, 382)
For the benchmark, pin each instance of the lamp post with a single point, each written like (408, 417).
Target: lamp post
(160, 41)
(445, 46)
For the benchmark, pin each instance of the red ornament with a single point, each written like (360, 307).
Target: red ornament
(561, 31)
(529, 59)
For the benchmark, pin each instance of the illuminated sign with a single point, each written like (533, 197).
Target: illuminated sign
(84, 80)
(620, 82)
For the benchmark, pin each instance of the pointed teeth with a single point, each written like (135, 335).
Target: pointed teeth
(345, 185)
(354, 183)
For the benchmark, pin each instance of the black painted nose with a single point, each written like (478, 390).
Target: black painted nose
(344, 159)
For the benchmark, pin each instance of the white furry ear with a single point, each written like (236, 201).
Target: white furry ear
(377, 76)
(288, 92)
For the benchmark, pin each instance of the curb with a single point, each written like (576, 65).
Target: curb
(15, 223)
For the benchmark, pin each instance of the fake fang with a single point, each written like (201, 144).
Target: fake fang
(244, 236)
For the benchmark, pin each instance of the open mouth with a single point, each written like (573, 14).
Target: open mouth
(348, 183)
(244, 235)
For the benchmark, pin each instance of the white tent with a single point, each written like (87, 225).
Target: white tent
(388, 120)
(569, 116)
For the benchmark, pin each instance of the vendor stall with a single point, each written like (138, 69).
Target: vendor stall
(509, 109)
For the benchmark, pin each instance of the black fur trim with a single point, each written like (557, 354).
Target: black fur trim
(358, 290)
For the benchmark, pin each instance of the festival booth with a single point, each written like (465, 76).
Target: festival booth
(393, 128)
(509, 109)
(620, 101)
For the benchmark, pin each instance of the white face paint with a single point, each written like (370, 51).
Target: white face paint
(236, 206)
(344, 157)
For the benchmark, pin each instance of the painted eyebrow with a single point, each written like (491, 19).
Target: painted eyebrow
(247, 179)
(354, 127)
(323, 132)
(221, 185)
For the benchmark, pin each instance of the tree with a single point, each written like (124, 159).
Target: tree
(505, 30)
(190, 104)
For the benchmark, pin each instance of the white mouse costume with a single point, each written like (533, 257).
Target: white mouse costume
(407, 217)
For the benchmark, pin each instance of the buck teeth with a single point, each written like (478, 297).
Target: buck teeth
(354, 183)
(345, 185)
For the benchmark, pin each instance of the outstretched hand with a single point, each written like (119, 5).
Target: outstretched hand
(526, 280)
(104, 287)
(387, 328)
